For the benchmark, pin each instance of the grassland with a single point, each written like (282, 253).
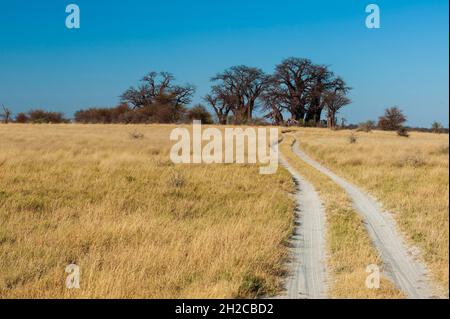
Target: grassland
(350, 250)
(135, 224)
(409, 176)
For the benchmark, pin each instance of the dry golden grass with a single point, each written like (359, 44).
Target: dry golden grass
(350, 250)
(135, 224)
(409, 176)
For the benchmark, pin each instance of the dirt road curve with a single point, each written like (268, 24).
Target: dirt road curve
(307, 278)
(409, 274)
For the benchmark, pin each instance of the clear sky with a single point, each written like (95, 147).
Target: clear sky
(44, 64)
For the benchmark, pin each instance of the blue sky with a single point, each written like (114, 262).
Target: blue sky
(43, 64)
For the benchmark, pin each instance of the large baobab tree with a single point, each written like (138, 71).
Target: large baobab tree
(324, 82)
(5, 114)
(333, 102)
(158, 88)
(302, 86)
(294, 78)
(242, 85)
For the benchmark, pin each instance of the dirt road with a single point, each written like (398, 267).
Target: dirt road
(409, 274)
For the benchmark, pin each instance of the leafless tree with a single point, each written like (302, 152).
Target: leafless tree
(222, 101)
(294, 78)
(242, 86)
(5, 114)
(324, 82)
(274, 103)
(303, 85)
(333, 102)
(158, 88)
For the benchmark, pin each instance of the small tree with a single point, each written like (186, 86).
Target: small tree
(5, 114)
(333, 103)
(436, 127)
(199, 113)
(392, 119)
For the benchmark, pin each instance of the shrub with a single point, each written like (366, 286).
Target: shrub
(199, 113)
(252, 287)
(101, 115)
(352, 139)
(21, 118)
(155, 113)
(402, 131)
(367, 126)
(176, 180)
(136, 135)
(41, 116)
(414, 160)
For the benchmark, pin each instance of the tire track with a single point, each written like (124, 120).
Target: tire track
(408, 274)
(307, 271)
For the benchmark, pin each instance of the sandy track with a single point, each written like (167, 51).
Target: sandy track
(307, 270)
(409, 274)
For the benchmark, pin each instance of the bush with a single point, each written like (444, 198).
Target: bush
(199, 113)
(251, 287)
(367, 126)
(413, 160)
(136, 135)
(402, 131)
(155, 113)
(41, 116)
(21, 118)
(352, 139)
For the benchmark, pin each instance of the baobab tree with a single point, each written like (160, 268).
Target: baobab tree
(222, 103)
(303, 85)
(242, 86)
(274, 103)
(158, 88)
(294, 79)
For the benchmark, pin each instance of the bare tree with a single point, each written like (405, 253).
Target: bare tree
(243, 86)
(333, 102)
(5, 114)
(303, 85)
(392, 119)
(158, 88)
(324, 82)
(274, 103)
(222, 102)
(294, 78)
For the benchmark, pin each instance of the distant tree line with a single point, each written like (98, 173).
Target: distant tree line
(39, 116)
(298, 87)
(298, 93)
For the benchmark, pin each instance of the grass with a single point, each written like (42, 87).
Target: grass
(350, 250)
(108, 198)
(408, 176)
